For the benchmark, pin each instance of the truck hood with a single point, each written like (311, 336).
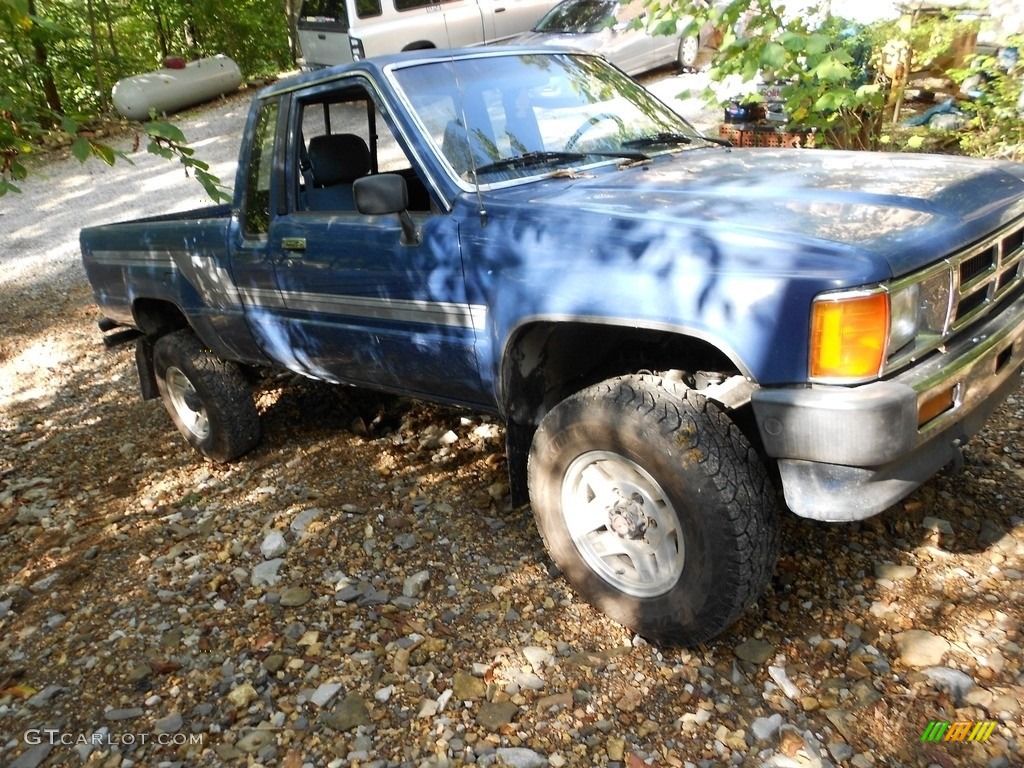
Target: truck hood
(899, 211)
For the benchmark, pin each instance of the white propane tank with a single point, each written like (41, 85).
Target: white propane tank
(175, 87)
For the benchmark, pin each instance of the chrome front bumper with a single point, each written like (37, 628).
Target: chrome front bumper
(847, 453)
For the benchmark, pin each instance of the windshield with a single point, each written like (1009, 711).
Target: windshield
(515, 116)
(579, 17)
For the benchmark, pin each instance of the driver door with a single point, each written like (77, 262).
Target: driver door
(363, 306)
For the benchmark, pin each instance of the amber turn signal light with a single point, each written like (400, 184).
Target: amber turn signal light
(936, 405)
(848, 336)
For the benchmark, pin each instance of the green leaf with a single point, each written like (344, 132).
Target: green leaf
(825, 103)
(915, 142)
(68, 124)
(155, 148)
(841, 55)
(750, 69)
(667, 27)
(19, 172)
(81, 149)
(793, 42)
(105, 153)
(163, 130)
(831, 71)
(212, 186)
(817, 44)
(690, 30)
(866, 91)
(773, 56)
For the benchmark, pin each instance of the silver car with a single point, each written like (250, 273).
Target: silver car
(607, 27)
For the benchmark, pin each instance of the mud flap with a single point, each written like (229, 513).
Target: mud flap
(144, 364)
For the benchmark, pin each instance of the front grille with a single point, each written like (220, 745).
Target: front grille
(973, 266)
(967, 305)
(985, 273)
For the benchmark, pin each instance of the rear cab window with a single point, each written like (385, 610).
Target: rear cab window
(324, 15)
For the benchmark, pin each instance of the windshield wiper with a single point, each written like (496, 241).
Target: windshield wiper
(663, 138)
(529, 159)
(719, 142)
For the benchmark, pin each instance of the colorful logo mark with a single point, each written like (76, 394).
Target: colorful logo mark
(968, 730)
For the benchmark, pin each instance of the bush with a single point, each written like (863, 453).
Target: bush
(995, 121)
(842, 81)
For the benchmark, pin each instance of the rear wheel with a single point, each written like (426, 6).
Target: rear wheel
(689, 49)
(655, 507)
(208, 399)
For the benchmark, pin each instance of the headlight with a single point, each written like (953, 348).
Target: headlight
(905, 320)
(858, 335)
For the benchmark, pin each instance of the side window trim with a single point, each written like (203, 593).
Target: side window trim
(378, 119)
(280, 167)
(256, 202)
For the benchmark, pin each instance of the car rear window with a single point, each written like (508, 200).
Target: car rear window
(581, 17)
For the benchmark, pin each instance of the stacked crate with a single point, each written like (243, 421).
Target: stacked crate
(765, 135)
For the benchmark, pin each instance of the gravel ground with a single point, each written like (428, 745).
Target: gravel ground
(358, 591)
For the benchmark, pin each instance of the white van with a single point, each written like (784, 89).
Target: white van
(338, 31)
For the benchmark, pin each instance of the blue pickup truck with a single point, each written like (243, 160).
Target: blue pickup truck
(672, 329)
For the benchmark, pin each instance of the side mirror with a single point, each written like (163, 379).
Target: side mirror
(386, 193)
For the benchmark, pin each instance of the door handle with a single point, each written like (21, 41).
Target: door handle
(294, 243)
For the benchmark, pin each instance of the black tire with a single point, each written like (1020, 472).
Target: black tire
(693, 507)
(209, 399)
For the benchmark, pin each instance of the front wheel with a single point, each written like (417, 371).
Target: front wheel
(655, 507)
(208, 398)
(689, 49)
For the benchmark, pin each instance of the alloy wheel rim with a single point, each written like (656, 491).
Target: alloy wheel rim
(623, 524)
(186, 403)
(688, 48)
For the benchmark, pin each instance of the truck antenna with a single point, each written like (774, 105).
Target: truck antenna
(465, 125)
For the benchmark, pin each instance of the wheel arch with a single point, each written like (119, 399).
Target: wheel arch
(157, 317)
(546, 360)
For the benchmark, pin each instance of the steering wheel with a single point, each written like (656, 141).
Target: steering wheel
(589, 123)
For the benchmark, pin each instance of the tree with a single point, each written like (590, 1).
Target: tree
(821, 65)
(56, 66)
(37, 37)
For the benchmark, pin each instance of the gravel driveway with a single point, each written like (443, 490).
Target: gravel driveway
(358, 591)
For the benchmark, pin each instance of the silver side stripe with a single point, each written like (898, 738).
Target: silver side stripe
(261, 297)
(444, 313)
(400, 310)
(211, 281)
(147, 259)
